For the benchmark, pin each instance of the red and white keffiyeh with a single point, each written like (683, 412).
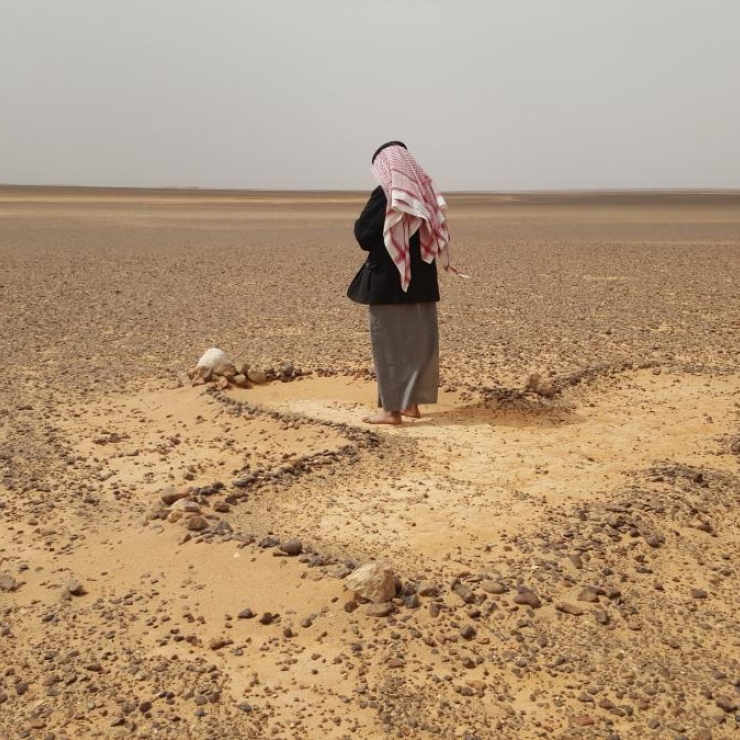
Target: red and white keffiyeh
(414, 204)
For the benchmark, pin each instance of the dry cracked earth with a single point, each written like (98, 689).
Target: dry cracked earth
(173, 559)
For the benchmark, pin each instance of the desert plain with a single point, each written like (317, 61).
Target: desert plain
(562, 525)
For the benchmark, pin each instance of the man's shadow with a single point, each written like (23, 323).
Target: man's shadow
(520, 413)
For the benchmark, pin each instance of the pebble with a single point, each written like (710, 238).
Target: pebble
(567, 608)
(292, 547)
(170, 495)
(527, 597)
(197, 523)
(464, 593)
(589, 595)
(74, 587)
(493, 587)
(245, 613)
(412, 601)
(8, 583)
(727, 704)
(379, 610)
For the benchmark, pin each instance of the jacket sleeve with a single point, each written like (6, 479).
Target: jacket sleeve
(369, 226)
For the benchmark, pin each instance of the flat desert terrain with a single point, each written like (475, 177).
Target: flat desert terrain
(175, 559)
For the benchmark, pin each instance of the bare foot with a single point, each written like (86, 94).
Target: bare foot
(412, 411)
(384, 417)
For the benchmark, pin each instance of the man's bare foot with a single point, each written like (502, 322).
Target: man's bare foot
(412, 411)
(384, 417)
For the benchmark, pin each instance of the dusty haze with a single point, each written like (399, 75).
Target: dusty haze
(295, 95)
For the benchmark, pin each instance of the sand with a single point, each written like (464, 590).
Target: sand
(566, 562)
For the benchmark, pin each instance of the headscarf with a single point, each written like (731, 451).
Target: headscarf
(414, 204)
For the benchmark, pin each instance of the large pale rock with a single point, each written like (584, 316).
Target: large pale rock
(217, 361)
(213, 358)
(375, 582)
(186, 505)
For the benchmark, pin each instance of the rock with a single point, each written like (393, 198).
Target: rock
(589, 595)
(216, 643)
(468, 632)
(170, 495)
(464, 592)
(527, 597)
(246, 613)
(427, 588)
(186, 505)
(536, 384)
(380, 609)
(601, 617)
(375, 582)
(215, 360)
(292, 547)
(196, 523)
(583, 720)
(74, 587)
(223, 383)
(256, 376)
(493, 587)
(412, 601)
(240, 381)
(227, 370)
(698, 593)
(567, 608)
(727, 704)
(8, 583)
(267, 618)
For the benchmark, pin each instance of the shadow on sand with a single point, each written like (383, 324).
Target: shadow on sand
(523, 414)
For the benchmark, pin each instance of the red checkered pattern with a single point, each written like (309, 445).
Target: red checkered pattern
(414, 204)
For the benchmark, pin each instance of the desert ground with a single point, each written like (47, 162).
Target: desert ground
(562, 527)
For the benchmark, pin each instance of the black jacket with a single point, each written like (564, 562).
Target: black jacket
(378, 280)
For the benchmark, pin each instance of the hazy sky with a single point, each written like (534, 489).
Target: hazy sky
(489, 94)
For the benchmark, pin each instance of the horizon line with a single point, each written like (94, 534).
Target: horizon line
(532, 191)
